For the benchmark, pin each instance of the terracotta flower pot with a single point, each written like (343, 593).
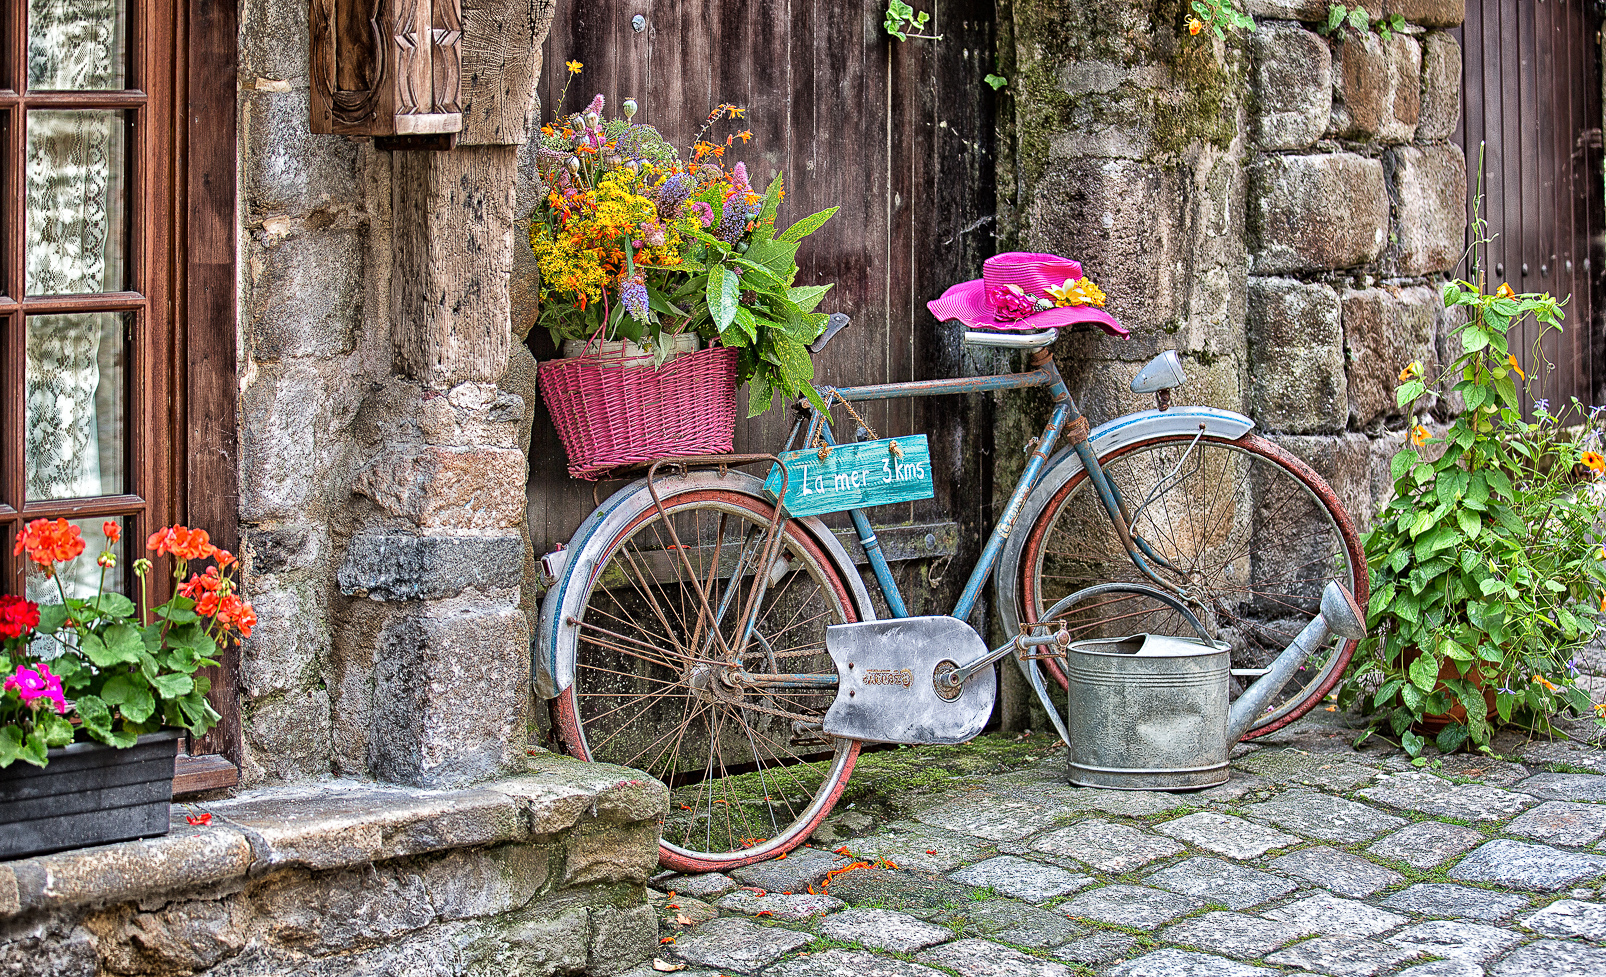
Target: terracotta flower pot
(1433, 723)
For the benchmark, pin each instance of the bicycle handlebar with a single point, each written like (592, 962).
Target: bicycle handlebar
(1012, 340)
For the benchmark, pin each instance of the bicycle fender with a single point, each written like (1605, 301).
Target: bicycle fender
(551, 651)
(1066, 463)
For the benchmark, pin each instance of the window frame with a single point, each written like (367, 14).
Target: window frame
(180, 372)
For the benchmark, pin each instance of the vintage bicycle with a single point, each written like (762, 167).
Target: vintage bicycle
(685, 630)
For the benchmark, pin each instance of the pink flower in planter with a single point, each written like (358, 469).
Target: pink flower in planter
(34, 685)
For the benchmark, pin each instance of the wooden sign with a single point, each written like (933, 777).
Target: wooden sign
(854, 476)
(388, 69)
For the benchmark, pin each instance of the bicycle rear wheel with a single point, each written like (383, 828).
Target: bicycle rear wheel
(657, 688)
(1251, 534)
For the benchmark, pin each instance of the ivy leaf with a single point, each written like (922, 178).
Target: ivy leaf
(1335, 17)
(1413, 743)
(1424, 672)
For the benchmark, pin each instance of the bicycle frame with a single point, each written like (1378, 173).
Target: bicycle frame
(1066, 416)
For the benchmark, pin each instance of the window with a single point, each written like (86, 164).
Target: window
(99, 334)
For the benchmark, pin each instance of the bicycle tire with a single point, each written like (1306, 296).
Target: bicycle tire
(644, 676)
(1233, 493)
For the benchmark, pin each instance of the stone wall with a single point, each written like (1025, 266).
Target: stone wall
(382, 463)
(1277, 207)
(534, 875)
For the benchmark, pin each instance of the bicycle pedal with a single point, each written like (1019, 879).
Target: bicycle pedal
(886, 688)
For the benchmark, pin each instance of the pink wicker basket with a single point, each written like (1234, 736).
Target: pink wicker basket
(614, 410)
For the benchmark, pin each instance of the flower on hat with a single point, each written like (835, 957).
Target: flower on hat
(1010, 302)
(1077, 291)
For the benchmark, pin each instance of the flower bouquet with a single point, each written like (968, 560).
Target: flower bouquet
(98, 668)
(658, 254)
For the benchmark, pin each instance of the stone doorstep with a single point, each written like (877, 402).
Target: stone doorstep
(330, 825)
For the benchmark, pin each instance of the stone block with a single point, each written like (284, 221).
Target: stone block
(185, 935)
(560, 792)
(1344, 463)
(293, 634)
(1232, 934)
(1310, 11)
(1293, 80)
(1296, 357)
(1441, 87)
(1129, 905)
(1341, 872)
(1101, 212)
(398, 567)
(1430, 189)
(342, 910)
(1350, 956)
(48, 948)
(1312, 213)
(1172, 962)
(1226, 835)
(1220, 881)
(1570, 918)
(1329, 915)
(287, 736)
(984, 958)
(1383, 332)
(1531, 868)
(794, 907)
(1566, 787)
(532, 944)
(621, 937)
(850, 963)
(1108, 847)
(882, 929)
(1377, 87)
(1552, 958)
(475, 415)
(273, 39)
(187, 857)
(304, 295)
(1427, 843)
(291, 418)
(450, 682)
(1429, 13)
(1446, 901)
(604, 852)
(486, 881)
(737, 944)
(281, 549)
(1021, 878)
(448, 488)
(288, 169)
(1427, 794)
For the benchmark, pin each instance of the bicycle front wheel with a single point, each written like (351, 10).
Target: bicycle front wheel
(1248, 532)
(659, 671)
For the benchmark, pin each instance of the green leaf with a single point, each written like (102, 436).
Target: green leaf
(97, 718)
(807, 297)
(760, 396)
(1474, 339)
(1335, 18)
(114, 605)
(743, 323)
(131, 696)
(1451, 737)
(53, 729)
(172, 686)
(1402, 462)
(1469, 522)
(1413, 743)
(807, 225)
(1408, 392)
(51, 618)
(996, 81)
(724, 288)
(1424, 672)
(1359, 20)
(777, 257)
(99, 654)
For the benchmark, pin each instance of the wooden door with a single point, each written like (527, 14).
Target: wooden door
(899, 134)
(1531, 94)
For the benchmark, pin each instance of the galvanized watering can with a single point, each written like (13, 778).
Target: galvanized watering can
(1150, 712)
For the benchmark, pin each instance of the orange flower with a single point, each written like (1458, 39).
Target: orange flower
(1594, 462)
(1505, 291)
(1413, 370)
(1194, 25)
(1419, 434)
(47, 542)
(201, 583)
(113, 531)
(745, 134)
(184, 543)
(235, 613)
(1511, 361)
(223, 557)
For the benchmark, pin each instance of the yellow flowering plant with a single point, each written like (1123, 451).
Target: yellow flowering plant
(635, 243)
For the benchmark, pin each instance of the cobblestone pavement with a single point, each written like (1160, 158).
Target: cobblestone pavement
(1314, 857)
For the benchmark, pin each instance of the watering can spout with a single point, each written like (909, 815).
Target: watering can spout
(1340, 615)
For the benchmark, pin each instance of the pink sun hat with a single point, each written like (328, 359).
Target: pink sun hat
(1008, 291)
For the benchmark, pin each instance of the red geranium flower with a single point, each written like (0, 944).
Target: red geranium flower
(17, 616)
(48, 542)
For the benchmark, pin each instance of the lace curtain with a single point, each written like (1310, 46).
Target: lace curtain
(75, 195)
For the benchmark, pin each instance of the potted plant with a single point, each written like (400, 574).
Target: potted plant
(644, 258)
(98, 690)
(1487, 571)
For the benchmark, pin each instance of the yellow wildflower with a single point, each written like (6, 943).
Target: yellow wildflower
(1195, 25)
(1077, 291)
(573, 66)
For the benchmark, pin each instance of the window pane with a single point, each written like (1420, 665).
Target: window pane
(81, 577)
(75, 405)
(77, 187)
(77, 45)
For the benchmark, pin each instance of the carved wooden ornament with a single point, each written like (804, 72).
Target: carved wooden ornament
(388, 68)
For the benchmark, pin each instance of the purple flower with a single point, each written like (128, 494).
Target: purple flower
(704, 212)
(1505, 691)
(739, 178)
(734, 223)
(633, 293)
(33, 685)
(672, 193)
(1572, 665)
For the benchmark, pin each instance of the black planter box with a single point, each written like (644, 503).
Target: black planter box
(88, 794)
